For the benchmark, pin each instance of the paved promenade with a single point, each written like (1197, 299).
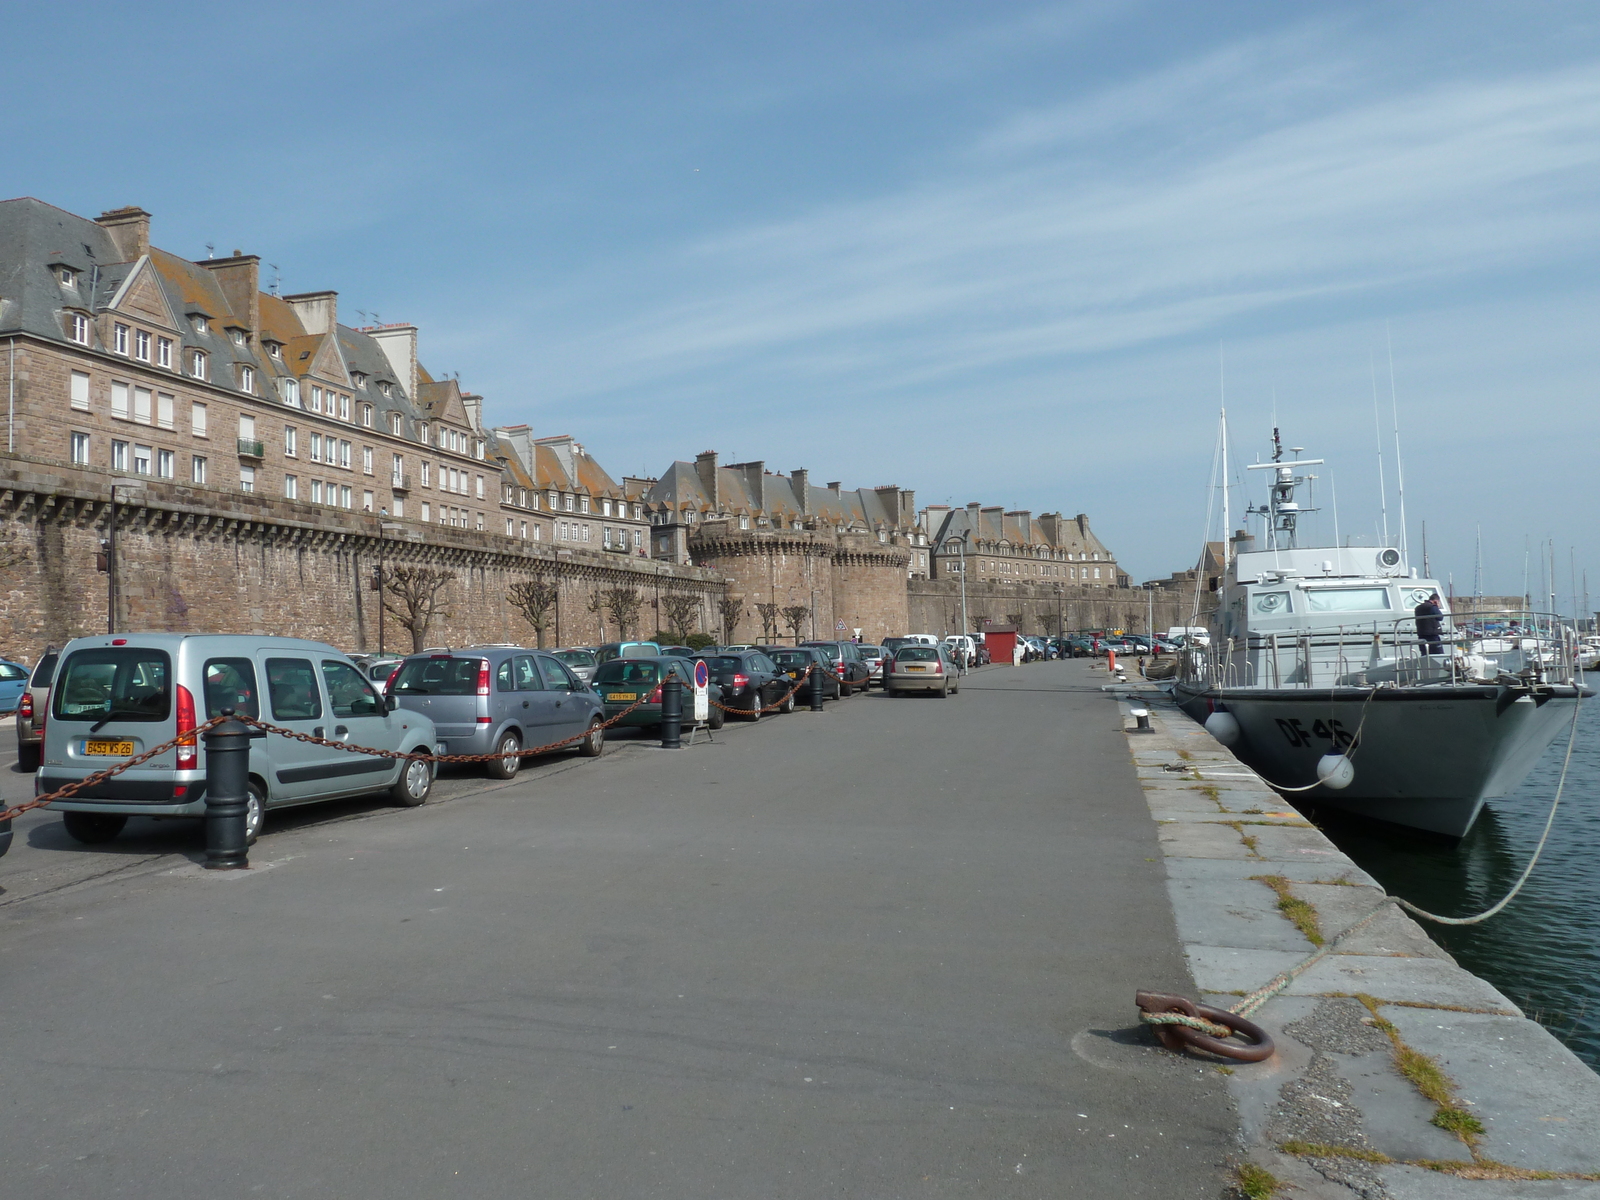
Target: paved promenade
(888, 951)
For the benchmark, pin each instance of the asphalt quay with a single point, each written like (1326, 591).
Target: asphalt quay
(887, 950)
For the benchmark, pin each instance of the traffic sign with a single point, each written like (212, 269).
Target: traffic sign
(702, 699)
(839, 626)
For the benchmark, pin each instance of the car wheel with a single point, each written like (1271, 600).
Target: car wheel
(415, 782)
(755, 706)
(508, 764)
(594, 742)
(956, 690)
(889, 691)
(716, 718)
(255, 812)
(788, 703)
(28, 757)
(92, 828)
(944, 691)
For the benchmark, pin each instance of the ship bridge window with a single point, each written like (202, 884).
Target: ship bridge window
(1338, 600)
(1272, 603)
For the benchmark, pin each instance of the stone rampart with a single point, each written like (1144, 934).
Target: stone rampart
(934, 606)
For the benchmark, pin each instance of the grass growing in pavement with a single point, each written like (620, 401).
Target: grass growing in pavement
(1429, 1078)
(1299, 911)
(1256, 1183)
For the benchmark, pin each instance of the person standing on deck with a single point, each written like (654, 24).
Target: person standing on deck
(1428, 622)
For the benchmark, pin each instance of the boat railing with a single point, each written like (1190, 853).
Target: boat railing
(1527, 646)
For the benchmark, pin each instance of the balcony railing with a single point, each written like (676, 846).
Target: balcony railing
(400, 482)
(250, 448)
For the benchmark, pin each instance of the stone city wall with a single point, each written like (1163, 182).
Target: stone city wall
(934, 606)
(199, 559)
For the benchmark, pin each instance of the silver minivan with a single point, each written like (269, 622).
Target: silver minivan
(114, 696)
(498, 700)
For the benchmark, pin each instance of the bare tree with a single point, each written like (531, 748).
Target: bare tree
(795, 616)
(680, 610)
(412, 595)
(596, 603)
(730, 608)
(769, 621)
(624, 604)
(535, 599)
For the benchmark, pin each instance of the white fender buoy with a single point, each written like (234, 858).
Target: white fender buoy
(1335, 771)
(1223, 726)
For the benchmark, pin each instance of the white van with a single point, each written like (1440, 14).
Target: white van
(1195, 635)
(921, 639)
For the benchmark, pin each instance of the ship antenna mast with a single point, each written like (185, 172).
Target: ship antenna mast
(1377, 423)
(1227, 518)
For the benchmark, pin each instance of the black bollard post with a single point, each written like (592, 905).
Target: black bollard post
(816, 690)
(227, 794)
(671, 713)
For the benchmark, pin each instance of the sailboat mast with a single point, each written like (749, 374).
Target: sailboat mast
(1377, 425)
(1399, 465)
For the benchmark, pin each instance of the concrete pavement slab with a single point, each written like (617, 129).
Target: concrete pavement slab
(1243, 911)
(1304, 870)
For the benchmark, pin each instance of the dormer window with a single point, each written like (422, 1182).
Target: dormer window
(384, 388)
(67, 276)
(247, 379)
(358, 378)
(79, 325)
(422, 433)
(141, 345)
(201, 325)
(238, 336)
(395, 422)
(197, 364)
(291, 392)
(275, 349)
(164, 353)
(366, 416)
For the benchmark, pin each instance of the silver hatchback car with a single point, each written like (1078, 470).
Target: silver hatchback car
(116, 696)
(499, 700)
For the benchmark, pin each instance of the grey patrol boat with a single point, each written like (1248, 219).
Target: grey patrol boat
(1317, 679)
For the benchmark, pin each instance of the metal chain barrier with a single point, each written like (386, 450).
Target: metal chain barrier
(775, 705)
(67, 791)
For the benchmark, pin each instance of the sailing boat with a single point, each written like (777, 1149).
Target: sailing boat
(1318, 680)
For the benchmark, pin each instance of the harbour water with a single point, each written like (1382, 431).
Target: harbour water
(1544, 950)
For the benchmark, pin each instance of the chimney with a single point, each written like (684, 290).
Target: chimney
(239, 278)
(1083, 525)
(908, 508)
(1023, 524)
(1051, 524)
(399, 346)
(318, 312)
(566, 451)
(834, 486)
(474, 406)
(800, 479)
(520, 439)
(705, 466)
(754, 475)
(129, 229)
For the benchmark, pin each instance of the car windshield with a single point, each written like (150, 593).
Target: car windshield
(576, 658)
(791, 658)
(125, 683)
(45, 671)
(631, 672)
(871, 651)
(916, 654)
(725, 663)
(441, 676)
(831, 653)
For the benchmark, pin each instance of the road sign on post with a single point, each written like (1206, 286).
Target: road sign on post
(839, 626)
(702, 698)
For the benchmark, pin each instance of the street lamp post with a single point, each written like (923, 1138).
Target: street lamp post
(960, 541)
(131, 491)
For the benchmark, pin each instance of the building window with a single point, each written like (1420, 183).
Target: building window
(395, 423)
(164, 353)
(247, 379)
(316, 491)
(1097, 572)
(197, 469)
(79, 393)
(344, 413)
(480, 487)
(141, 459)
(397, 471)
(166, 464)
(80, 329)
(638, 512)
(426, 469)
(366, 501)
(605, 509)
(427, 511)
(422, 434)
(201, 325)
(119, 456)
(165, 416)
(344, 457)
(237, 335)
(366, 460)
(744, 521)
(291, 442)
(291, 487)
(384, 388)
(197, 364)
(345, 496)
(274, 349)
(316, 447)
(399, 506)
(141, 406)
(316, 399)
(366, 416)
(291, 392)
(480, 520)
(569, 500)
(68, 276)
(80, 448)
(247, 427)
(586, 533)
(141, 345)
(119, 338)
(197, 419)
(583, 504)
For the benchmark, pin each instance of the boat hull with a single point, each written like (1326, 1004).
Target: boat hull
(1426, 758)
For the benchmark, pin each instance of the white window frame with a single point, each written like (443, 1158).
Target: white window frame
(344, 456)
(247, 379)
(366, 460)
(141, 345)
(166, 410)
(80, 443)
(143, 458)
(119, 337)
(291, 487)
(143, 406)
(164, 352)
(197, 364)
(80, 329)
(197, 419)
(197, 469)
(119, 455)
(291, 392)
(78, 391)
(291, 442)
(166, 464)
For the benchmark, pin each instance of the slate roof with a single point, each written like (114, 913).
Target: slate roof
(749, 489)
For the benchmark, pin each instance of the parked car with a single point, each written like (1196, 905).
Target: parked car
(963, 650)
(921, 669)
(622, 682)
(1079, 647)
(499, 699)
(981, 648)
(873, 656)
(793, 661)
(580, 661)
(730, 649)
(891, 644)
(845, 660)
(114, 697)
(680, 652)
(613, 650)
(750, 681)
(31, 709)
(13, 683)
(381, 670)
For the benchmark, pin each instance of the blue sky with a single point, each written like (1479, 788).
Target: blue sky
(992, 252)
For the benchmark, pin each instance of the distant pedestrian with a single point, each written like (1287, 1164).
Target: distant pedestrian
(1428, 615)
